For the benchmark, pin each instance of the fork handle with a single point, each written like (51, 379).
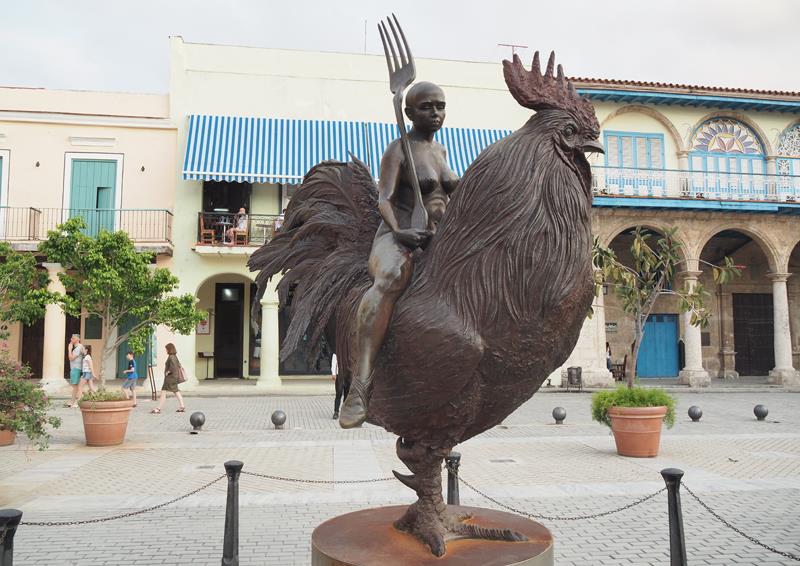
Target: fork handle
(419, 216)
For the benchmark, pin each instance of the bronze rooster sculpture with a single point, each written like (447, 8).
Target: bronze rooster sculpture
(497, 299)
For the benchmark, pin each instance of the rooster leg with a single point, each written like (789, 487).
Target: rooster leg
(428, 518)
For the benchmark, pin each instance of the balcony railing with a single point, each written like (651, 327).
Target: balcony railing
(213, 229)
(674, 183)
(32, 224)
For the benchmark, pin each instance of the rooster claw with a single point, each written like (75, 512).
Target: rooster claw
(408, 480)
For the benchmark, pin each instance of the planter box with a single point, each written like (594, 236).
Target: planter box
(637, 430)
(105, 422)
(7, 437)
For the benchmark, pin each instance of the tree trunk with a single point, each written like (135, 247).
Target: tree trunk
(639, 334)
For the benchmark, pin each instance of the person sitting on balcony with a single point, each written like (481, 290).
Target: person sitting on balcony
(240, 222)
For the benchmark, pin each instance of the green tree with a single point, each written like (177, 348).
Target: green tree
(651, 275)
(23, 288)
(106, 277)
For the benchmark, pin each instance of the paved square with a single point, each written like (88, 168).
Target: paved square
(748, 471)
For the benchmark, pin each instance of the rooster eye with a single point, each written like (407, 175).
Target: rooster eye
(569, 131)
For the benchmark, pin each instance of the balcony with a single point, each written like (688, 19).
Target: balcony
(25, 227)
(695, 189)
(213, 232)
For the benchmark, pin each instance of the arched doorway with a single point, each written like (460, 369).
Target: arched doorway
(660, 351)
(227, 341)
(740, 337)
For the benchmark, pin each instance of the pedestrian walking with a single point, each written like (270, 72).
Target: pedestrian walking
(130, 375)
(342, 388)
(75, 353)
(173, 374)
(87, 372)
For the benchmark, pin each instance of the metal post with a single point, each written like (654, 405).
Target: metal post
(677, 544)
(230, 547)
(9, 520)
(453, 460)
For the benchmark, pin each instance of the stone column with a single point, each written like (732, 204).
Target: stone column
(772, 170)
(683, 175)
(55, 339)
(783, 373)
(727, 344)
(270, 341)
(590, 351)
(693, 373)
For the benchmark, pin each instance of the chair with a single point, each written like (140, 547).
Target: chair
(618, 370)
(206, 234)
(240, 237)
(574, 378)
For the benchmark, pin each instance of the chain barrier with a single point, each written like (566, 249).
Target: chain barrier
(755, 541)
(123, 515)
(322, 482)
(552, 518)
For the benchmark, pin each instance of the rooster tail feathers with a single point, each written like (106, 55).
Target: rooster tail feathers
(322, 249)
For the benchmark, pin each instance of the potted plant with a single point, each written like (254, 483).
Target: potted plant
(105, 417)
(23, 406)
(635, 416)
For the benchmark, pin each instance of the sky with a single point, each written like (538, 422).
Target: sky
(123, 45)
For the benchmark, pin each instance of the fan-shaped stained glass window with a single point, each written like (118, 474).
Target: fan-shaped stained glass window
(724, 135)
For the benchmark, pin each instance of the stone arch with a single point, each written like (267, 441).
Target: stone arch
(220, 276)
(653, 113)
(654, 225)
(759, 132)
(768, 247)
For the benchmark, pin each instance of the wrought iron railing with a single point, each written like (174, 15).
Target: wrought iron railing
(214, 229)
(674, 183)
(32, 224)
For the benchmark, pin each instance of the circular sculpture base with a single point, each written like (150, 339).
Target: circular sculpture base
(367, 538)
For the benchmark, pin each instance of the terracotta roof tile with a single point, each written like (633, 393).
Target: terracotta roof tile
(583, 82)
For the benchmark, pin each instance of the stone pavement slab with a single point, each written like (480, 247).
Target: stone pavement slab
(748, 471)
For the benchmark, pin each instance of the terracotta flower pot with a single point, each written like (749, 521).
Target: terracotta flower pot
(637, 430)
(7, 437)
(105, 422)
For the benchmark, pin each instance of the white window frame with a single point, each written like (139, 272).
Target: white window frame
(69, 157)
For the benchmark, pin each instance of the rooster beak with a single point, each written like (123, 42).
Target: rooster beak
(592, 146)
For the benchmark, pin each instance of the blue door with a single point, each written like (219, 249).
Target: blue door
(658, 356)
(92, 193)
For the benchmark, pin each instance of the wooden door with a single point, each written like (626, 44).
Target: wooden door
(33, 347)
(753, 333)
(92, 193)
(228, 329)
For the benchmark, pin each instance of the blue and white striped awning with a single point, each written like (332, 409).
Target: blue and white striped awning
(271, 150)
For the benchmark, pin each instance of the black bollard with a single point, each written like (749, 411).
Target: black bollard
(9, 521)
(453, 460)
(677, 544)
(230, 547)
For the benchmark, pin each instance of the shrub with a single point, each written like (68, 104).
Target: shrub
(103, 395)
(24, 404)
(632, 397)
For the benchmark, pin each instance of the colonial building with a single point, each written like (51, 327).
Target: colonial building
(720, 165)
(106, 157)
(241, 126)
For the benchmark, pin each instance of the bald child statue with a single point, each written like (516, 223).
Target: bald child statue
(390, 262)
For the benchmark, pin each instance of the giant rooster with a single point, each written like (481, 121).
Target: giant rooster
(498, 296)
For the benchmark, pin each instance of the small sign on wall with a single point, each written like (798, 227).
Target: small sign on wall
(611, 326)
(203, 327)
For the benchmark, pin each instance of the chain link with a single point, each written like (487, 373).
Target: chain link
(552, 518)
(738, 531)
(123, 515)
(325, 482)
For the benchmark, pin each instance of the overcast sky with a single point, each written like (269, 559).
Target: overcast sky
(122, 45)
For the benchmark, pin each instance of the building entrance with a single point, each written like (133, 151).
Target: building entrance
(753, 333)
(228, 329)
(658, 356)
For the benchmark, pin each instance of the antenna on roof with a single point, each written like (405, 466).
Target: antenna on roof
(513, 46)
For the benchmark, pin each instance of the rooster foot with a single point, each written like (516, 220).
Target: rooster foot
(435, 529)
(428, 519)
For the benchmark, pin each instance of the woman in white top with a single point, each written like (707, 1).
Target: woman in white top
(87, 375)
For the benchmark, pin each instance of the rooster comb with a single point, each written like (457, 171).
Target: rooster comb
(538, 91)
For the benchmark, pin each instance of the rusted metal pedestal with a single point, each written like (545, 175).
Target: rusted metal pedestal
(367, 538)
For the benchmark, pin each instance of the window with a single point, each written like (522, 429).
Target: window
(634, 163)
(93, 328)
(226, 197)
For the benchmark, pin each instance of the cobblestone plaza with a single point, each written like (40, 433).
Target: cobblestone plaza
(746, 470)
